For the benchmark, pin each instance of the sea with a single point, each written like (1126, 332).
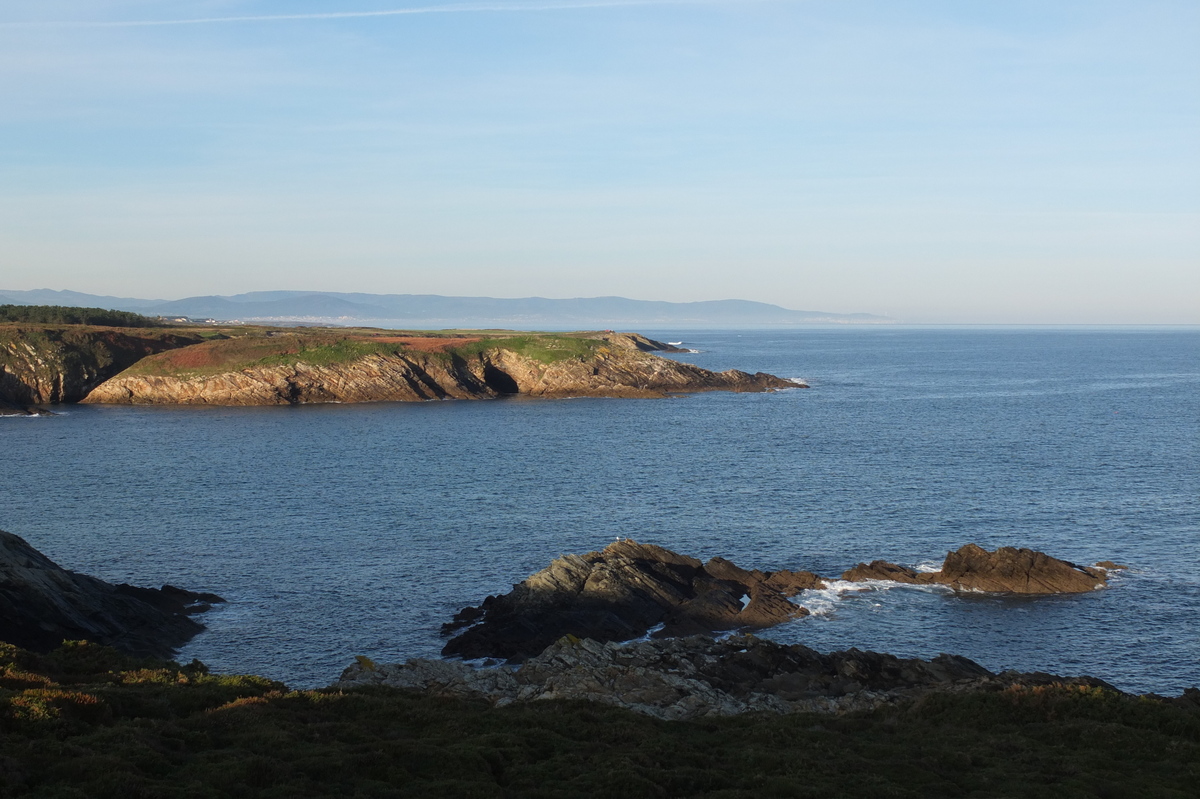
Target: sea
(343, 530)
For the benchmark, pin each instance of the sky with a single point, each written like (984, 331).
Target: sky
(938, 162)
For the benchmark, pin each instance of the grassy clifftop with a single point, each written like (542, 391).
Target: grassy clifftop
(85, 721)
(326, 347)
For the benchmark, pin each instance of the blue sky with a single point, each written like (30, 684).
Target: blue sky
(1022, 162)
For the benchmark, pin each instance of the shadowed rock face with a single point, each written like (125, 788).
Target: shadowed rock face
(1007, 570)
(697, 676)
(42, 604)
(621, 593)
(47, 364)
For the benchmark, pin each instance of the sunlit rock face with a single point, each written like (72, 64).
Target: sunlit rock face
(1007, 570)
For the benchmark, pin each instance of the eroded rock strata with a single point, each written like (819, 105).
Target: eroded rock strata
(417, 369)
(622, 592)
(1007, 570)
(697, 676)
(43, 604)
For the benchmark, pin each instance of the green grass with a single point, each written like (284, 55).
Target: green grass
(543, 348)
(325, 347)
(86, 722)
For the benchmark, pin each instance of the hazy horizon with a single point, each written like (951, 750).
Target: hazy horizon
(930, 161)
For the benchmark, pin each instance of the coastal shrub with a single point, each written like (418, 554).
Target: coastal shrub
(69, 315)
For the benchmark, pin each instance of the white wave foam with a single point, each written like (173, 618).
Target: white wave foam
(649, 633)
(823, 602)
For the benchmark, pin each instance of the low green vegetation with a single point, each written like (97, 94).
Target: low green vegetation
(87, 722)
(544, 348)
(63, 315)
(325, 347)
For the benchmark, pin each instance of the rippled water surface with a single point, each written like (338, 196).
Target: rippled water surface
(358, 529)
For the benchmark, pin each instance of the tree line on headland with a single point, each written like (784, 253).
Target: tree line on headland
(64, 315)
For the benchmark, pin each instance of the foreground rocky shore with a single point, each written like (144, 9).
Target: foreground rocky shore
(696, 676)
(83, 721)
(569, 628)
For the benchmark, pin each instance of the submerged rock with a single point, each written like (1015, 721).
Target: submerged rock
(697, 676)
(1007, 570)
(623, 592)
(42, 604)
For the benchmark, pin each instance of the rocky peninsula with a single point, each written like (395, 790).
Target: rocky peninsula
(46, 364)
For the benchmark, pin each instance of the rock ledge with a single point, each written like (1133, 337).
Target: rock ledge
(697, 676)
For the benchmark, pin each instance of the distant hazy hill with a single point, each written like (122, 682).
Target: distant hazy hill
(436, 311)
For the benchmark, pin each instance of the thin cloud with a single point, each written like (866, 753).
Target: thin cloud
(460, 8)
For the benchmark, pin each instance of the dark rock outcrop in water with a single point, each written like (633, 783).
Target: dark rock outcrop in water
(623, 592)
(698, 676)
(1007, 570)
(631, 589)
(42, 604)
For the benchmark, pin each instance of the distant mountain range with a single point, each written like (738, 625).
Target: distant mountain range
(435, 311)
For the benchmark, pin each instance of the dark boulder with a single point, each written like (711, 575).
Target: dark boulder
(620, 593)
(42, 604)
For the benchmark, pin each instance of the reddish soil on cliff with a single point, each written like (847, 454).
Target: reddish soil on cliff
(421, 344)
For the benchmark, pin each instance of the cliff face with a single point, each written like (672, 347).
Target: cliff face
(417, 370)
(49, 364)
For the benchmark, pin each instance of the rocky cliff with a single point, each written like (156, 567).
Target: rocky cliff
(307, 368)
(43, 604)
(43, 364)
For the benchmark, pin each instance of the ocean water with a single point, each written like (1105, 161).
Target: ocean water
(359, 529)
